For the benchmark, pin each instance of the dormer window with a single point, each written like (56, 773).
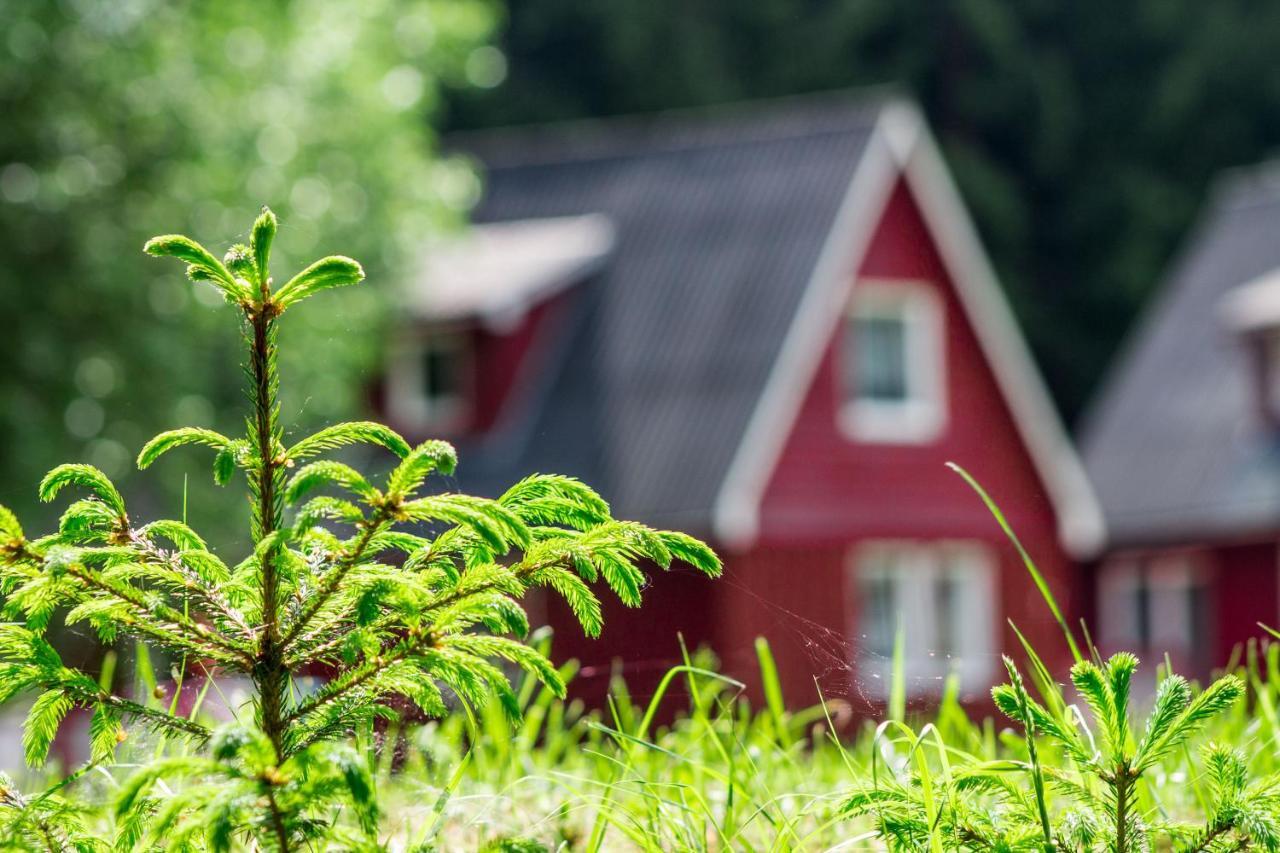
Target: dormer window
(431, 381)
(892, 364)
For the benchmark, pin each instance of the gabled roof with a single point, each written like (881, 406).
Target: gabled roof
(1173, 442)
(736, 232)
(720, 218)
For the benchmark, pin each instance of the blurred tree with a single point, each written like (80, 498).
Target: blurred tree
(123, 117)
(1083, 134)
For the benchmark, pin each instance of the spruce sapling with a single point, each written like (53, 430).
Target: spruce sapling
(403, 593)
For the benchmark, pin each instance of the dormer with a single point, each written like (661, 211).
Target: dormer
(1251, 312)
(475, 315)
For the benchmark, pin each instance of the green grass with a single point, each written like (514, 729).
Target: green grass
(727, 776)
(1110, 756)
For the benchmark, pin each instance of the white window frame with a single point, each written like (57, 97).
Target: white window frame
(1167, 577)
(916, 566)
(407, 400)
(921, 416)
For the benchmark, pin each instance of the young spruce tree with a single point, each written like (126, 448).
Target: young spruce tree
(400, 592)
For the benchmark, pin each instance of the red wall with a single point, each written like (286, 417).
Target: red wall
(504, 357)
(1244, 581)
(638, 644)
(828, 492)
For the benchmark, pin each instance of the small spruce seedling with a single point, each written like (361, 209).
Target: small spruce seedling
(1084, 795)
(401, 593)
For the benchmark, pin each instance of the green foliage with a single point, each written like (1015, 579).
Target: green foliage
(727, 776)
(408, 597)
(118, 116)
(322, 275)
(47, 822)
(166, 441)
(722, 775)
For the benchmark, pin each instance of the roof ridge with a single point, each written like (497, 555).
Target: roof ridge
(713, 125)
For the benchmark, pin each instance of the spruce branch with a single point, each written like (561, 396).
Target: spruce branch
(207, 596)
(166, 625)
(174, 722)
(333, 579)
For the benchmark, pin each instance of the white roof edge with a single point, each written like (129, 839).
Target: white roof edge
(594, 237)
(901, 141)
(1081, 526)
(736, 513)
(1253, 306)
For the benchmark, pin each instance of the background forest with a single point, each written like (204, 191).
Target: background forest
(1083, 136)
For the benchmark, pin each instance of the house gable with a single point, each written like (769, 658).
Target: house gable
(903, 153)
(467, 359)
(833, 500)
(832, 486)
(501, 370)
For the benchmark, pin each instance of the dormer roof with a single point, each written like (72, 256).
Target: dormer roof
(496, 271)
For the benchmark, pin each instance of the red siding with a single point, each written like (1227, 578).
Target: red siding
(640, 645)
(1244, 587)
(503, 357)
(828, 493)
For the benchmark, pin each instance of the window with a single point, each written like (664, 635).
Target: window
(942, 595)
(880, 362)
(1154, 604)
(892, 363)
(431, 380)
(441, 372)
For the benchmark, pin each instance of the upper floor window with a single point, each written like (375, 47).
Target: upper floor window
(430, 380)
(892, 363)
(939, 596)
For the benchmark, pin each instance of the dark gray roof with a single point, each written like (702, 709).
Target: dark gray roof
(1173, 442)
(720, 218)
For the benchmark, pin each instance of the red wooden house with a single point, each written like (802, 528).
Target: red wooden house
(769, 326)
(1183, 443)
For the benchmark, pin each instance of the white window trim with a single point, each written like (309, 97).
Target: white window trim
(921, 417)
(926, 671)
(406, 403)
(1173, 572)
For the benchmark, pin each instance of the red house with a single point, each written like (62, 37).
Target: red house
(1183, 443)
(769, 326)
